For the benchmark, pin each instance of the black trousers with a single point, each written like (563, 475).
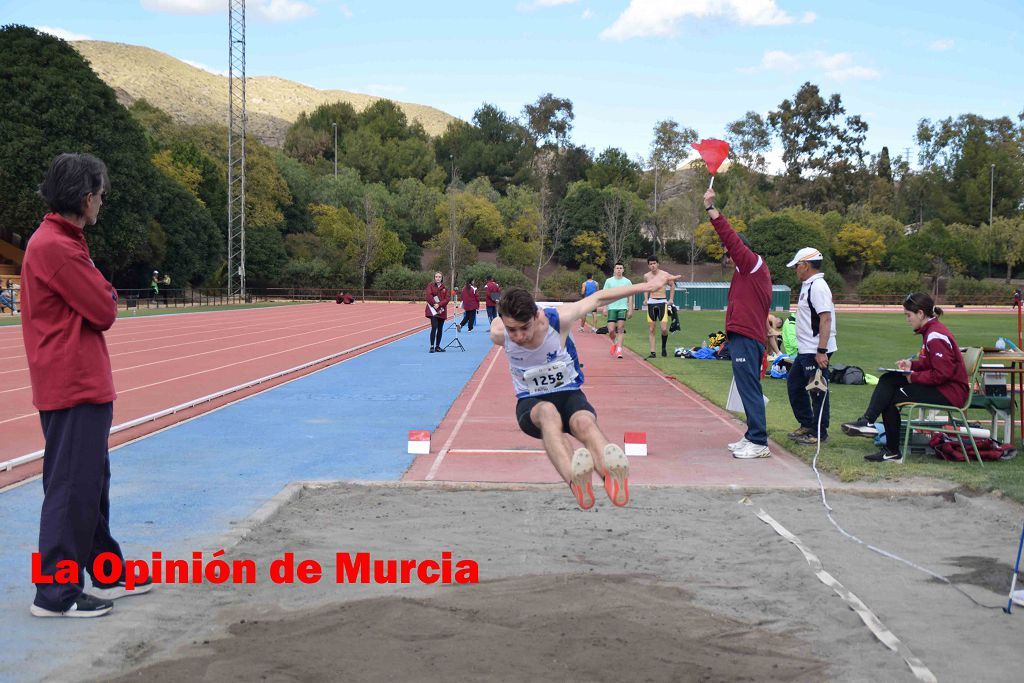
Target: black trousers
(436, 330)
(893, 388)
(469, 319)
(807, 408)
(75, 519)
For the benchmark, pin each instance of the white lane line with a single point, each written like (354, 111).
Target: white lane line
(462, 418)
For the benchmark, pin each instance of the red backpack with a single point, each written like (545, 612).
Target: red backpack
(948, 447)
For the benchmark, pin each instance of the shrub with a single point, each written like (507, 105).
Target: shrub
(563, 284)
(402, 278)
(506, 277)
(965, 290)
(890, 287)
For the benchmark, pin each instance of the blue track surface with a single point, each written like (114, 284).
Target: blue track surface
(178, 490)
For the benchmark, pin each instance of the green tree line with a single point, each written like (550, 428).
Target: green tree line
(353, 199)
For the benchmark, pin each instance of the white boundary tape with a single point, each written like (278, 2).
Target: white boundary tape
(7, 465)
(874, 624)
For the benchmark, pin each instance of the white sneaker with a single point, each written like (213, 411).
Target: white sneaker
(738, 445)
(751, 451)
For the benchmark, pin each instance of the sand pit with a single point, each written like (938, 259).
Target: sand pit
(681, 585)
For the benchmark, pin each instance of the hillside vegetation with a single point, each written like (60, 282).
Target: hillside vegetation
(194, 96)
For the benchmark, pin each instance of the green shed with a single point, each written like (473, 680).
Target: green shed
(714, 296)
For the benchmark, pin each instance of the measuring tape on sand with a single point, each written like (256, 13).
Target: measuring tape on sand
(880, 630)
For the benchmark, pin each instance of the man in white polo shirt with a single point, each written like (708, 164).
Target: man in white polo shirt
(816, 342)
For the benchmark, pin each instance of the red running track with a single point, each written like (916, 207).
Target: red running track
(479, 440)
(160, 362)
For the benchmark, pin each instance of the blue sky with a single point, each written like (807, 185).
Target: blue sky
(625, 64)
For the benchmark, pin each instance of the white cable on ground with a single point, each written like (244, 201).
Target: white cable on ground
(874, 624)
(880, 551)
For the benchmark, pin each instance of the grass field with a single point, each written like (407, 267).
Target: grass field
(867, 340)
(16, 319)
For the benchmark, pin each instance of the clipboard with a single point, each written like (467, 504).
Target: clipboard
(902, 372)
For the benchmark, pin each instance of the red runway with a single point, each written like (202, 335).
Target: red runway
(479, 439)
(160, 362)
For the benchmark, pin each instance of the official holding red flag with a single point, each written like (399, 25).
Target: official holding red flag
(750, 298)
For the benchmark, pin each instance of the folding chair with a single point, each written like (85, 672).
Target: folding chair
(958, 426)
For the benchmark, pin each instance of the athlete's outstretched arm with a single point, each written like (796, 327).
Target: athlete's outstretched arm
(578, 309)
(497, 332)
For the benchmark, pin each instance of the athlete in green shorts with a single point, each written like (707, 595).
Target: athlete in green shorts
(619, 310)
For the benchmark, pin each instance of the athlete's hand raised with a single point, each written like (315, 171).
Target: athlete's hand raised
(659, 281)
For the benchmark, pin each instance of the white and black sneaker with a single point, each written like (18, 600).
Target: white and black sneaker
(739, 445)
(752, 450)
(860, 427)
(884, 455)
(113, 591)
(84, 606)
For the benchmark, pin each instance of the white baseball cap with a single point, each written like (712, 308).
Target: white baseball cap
(805, 254)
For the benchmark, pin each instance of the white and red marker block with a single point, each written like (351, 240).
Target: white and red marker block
(635, 443)
(419, 443)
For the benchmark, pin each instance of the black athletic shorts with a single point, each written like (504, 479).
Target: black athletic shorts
(656, 311)
(566, 402)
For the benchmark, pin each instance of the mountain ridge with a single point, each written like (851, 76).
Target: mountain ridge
(192, 95)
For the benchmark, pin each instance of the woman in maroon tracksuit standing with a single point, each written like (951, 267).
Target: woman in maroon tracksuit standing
(437, 296)
(470, 304)
(937, 376)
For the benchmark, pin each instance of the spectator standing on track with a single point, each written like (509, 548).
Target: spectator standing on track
(656, 304)
(1017, 298)
(548, 379)
(437, 296)
(470, 305)
(619, 310)
(67, 307)
(588, 287)
(750, 298)
(492, 292)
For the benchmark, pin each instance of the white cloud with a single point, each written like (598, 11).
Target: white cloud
(346, 11)
(63, 34)
(659, 17)
(941, 45)
(269, 10)
(588, 14)
(185, 6)
(202, 66)
(838, 66)
(283, 10)
(808, 18)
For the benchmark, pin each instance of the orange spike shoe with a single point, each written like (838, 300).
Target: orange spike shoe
(580, 484)
(616, 477)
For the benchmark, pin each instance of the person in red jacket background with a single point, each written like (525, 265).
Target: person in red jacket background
(67, 305)
(492, 294)
(938, 376)
(750, 297)
(470, 304)
(437, 296)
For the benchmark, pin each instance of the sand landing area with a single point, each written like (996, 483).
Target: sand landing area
(681, 585)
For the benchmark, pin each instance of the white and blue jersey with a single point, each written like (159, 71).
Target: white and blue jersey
(548, 368)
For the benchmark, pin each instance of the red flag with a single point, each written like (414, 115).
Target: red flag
(713, 152)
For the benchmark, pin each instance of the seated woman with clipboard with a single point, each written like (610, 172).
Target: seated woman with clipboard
(937, 376)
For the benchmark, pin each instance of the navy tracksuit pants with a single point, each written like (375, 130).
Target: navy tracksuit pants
(746, 356)
(75, 519)
(806, 409)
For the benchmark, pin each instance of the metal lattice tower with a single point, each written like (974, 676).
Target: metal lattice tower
(236, 147)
